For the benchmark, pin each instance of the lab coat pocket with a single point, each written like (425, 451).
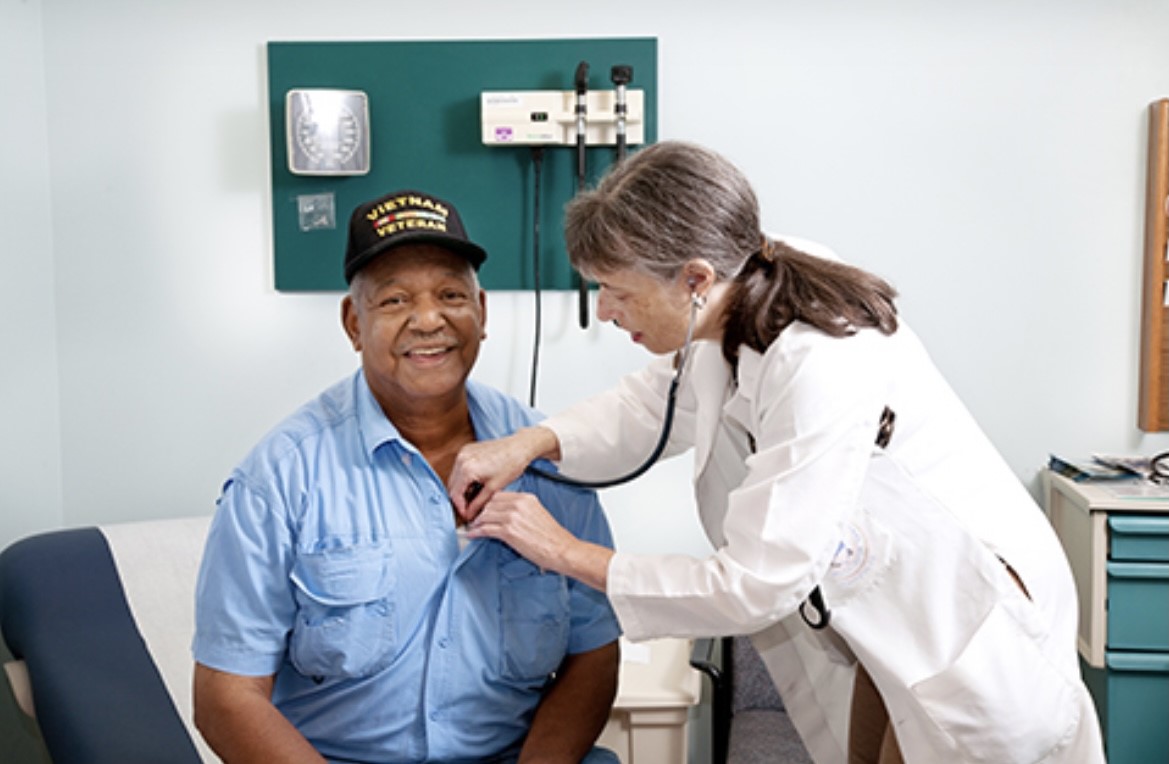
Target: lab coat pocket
(535, 616)
(953, 645)
(345, 619)
(1002, 700)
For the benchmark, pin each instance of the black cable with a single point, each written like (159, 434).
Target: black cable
(667, 425)
(537, 164)
(667, 422)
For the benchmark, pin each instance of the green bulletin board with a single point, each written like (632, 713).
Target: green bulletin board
(425, 134)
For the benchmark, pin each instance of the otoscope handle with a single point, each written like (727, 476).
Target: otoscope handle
(581, 80)
(621, 75)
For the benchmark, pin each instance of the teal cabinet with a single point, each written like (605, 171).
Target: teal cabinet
(1130, 691)
(1118, 549)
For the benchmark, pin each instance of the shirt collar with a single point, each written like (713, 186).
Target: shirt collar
(377, 429)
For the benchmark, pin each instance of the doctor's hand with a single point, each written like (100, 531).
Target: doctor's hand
(487, 466)
(522, 522)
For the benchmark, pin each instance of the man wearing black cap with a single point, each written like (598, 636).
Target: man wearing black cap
(341, 615)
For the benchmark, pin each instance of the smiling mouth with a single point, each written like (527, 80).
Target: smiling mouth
(427, 353)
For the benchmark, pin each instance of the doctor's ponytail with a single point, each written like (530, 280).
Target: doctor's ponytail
(779, 284)
(674, 201)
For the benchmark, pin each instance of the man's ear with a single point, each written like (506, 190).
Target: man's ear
(482, 314)
(350, 323)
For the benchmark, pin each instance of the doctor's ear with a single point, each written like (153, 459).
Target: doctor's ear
(698, 274)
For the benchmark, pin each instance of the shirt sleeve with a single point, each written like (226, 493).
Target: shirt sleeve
(244, 605)
(814, 404)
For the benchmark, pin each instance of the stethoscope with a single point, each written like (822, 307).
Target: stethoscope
(696, 303)
(1159, 468)
(813, 610)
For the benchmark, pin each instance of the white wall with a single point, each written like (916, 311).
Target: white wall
(30, 422)
(987, 157)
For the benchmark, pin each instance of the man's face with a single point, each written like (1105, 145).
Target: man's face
(416, 315)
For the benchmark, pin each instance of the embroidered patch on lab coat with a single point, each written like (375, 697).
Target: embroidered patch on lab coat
(852, 556)
(863, 556)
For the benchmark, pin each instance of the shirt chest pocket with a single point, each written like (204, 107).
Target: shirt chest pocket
(535, 617)
(345, 625)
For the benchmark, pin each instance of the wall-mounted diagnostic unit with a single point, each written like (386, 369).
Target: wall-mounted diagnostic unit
(582, 117)
(549, 117)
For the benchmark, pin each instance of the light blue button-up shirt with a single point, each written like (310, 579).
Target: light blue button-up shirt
(333, 563)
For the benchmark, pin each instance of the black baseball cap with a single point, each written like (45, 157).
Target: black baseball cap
(406, 217)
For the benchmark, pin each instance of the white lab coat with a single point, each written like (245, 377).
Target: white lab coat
(905, 543)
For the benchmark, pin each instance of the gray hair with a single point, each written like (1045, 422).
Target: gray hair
(674, 201)
(664, 205)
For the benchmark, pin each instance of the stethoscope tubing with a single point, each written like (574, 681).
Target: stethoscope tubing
(696, 302)
(814, 611)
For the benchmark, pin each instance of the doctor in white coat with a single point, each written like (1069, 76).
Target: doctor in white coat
(908, 597)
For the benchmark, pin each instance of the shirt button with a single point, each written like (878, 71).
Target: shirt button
(444, 643)
(406, 459)
(434, 499)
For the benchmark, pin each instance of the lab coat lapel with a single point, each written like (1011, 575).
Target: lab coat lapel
(710, 385)
(741, 406)
(720, 443)
(717, 396)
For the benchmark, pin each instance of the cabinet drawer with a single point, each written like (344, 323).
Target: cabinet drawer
(1131, 694)
(1138, 538)
(1138, 618)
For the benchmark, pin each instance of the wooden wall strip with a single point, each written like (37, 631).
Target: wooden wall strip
(1154, 391)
